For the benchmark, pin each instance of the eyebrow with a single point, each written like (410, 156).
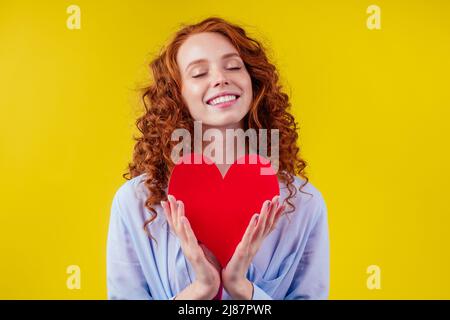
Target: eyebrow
(227, 55)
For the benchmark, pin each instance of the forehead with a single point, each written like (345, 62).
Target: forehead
(207, 45)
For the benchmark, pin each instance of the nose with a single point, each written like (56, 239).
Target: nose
(220, 79)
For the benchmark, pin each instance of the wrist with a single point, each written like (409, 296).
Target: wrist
(203, 291)
(241, 289)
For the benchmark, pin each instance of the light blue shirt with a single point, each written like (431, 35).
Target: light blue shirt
(292, 262)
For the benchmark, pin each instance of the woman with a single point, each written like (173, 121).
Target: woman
(283, 254)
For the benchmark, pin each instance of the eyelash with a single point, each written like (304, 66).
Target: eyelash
(202, 74)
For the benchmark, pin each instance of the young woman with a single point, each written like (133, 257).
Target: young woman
(152, 252)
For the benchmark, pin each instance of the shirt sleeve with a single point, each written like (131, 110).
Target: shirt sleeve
(311, 280)
(259, 294)
(125, 278)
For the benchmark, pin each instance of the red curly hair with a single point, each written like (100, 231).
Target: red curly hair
(165, 111)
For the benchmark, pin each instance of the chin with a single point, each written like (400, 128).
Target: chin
(228, 121)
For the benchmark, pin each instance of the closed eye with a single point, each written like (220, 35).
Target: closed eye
(202, 74)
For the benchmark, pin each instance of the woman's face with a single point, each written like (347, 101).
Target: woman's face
(216, 86)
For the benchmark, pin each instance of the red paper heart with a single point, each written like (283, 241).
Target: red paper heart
(219, 209)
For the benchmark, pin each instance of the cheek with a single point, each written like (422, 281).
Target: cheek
(193, 98)
(192, 93)
(248, 89)
(246, 82)
(197, 91)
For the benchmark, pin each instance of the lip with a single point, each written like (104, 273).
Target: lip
(224, 93)
(225, 104)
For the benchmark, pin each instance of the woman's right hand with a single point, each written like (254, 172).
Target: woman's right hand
(206, 267)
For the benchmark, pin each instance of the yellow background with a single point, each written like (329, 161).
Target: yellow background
(373, 107)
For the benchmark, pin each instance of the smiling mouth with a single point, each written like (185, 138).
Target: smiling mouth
(223, 101)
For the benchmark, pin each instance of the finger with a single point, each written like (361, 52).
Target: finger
(183, 233)
(275, 198)
(186, 227)
(262, 219)
(180, 209)
(272, 213)
(188, 232)
(248, 234)
(278, 214)
(168, 214)
(173, 209)
(179, 214)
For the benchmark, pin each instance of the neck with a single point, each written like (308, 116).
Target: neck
(223, 151)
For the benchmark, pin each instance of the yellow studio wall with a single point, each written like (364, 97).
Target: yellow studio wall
(373, 108)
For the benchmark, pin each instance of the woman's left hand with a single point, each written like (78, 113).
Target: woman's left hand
(234, 275)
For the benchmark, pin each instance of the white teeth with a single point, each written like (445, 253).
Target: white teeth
(222, 99)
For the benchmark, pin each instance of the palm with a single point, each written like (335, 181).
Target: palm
(236, 262)
(213, 262)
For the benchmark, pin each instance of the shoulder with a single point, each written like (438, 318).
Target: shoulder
(130, 199)
(304, 192)
(132, 190)
(307, 199)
